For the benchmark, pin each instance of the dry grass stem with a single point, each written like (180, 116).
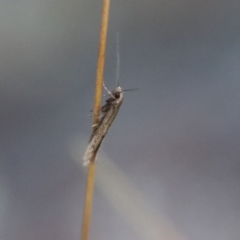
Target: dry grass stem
(97, 106)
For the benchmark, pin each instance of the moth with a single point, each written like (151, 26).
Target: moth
(109, 111)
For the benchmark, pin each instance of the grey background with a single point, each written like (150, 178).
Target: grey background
(176, 139)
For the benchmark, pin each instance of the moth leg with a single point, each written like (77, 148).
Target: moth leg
(109, 93)
(96, 124)
(93, 114)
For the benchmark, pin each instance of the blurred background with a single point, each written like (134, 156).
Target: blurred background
(169, 166)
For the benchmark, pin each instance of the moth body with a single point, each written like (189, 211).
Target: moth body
(109, 111)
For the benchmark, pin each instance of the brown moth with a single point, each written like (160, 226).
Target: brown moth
(109, 112)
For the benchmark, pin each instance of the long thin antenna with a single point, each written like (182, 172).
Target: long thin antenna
(118, 61)
(130, 89)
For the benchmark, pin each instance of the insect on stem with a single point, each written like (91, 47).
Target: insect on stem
(109, 111)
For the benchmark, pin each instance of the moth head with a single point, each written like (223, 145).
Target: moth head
(117, 92)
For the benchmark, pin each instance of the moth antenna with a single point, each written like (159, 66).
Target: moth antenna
(118, 60)
(130, 89)
(109, 92)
